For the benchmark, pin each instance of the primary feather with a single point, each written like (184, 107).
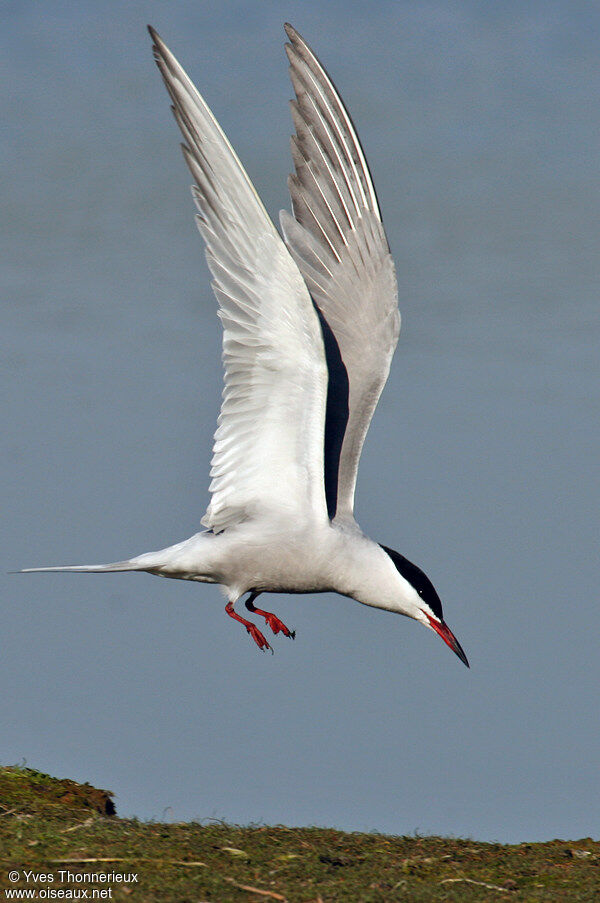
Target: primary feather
(270, 430)
(336, 237)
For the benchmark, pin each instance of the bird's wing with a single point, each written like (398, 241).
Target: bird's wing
(336, 237)
(268, 449)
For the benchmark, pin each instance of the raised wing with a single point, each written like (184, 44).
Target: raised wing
(268, 449)
(337, 239)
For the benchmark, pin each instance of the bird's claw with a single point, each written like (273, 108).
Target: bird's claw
(258, 638)
(277, 625)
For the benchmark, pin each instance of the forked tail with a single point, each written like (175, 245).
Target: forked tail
(131, 565)
(180, 560)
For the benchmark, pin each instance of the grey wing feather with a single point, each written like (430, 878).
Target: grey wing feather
(336, 237)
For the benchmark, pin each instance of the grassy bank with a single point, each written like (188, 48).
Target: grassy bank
(64, 831)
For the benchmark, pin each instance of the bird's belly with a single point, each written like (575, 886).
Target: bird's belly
(248, 558)
(266, 573)
(288, 564)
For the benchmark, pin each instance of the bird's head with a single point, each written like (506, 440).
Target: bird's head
(423, 603)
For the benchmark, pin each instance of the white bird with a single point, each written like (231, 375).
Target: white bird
(310, 324)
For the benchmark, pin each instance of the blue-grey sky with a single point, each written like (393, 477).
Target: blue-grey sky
(480, 122)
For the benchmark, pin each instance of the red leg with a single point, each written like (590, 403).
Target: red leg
(272, 620)
(250, 627)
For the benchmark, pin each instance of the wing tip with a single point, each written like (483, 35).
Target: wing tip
(297, 45)
(157, 41)
(163, 57)
(158, 48)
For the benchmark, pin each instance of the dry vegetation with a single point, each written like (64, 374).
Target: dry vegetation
(52, 827)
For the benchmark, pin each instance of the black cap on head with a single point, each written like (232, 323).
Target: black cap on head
(421, 582)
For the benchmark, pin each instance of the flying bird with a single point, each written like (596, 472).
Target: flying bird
(310, 323)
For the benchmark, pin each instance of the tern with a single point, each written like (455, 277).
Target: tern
(310, 324)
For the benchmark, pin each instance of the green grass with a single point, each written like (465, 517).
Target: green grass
(47, 825)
